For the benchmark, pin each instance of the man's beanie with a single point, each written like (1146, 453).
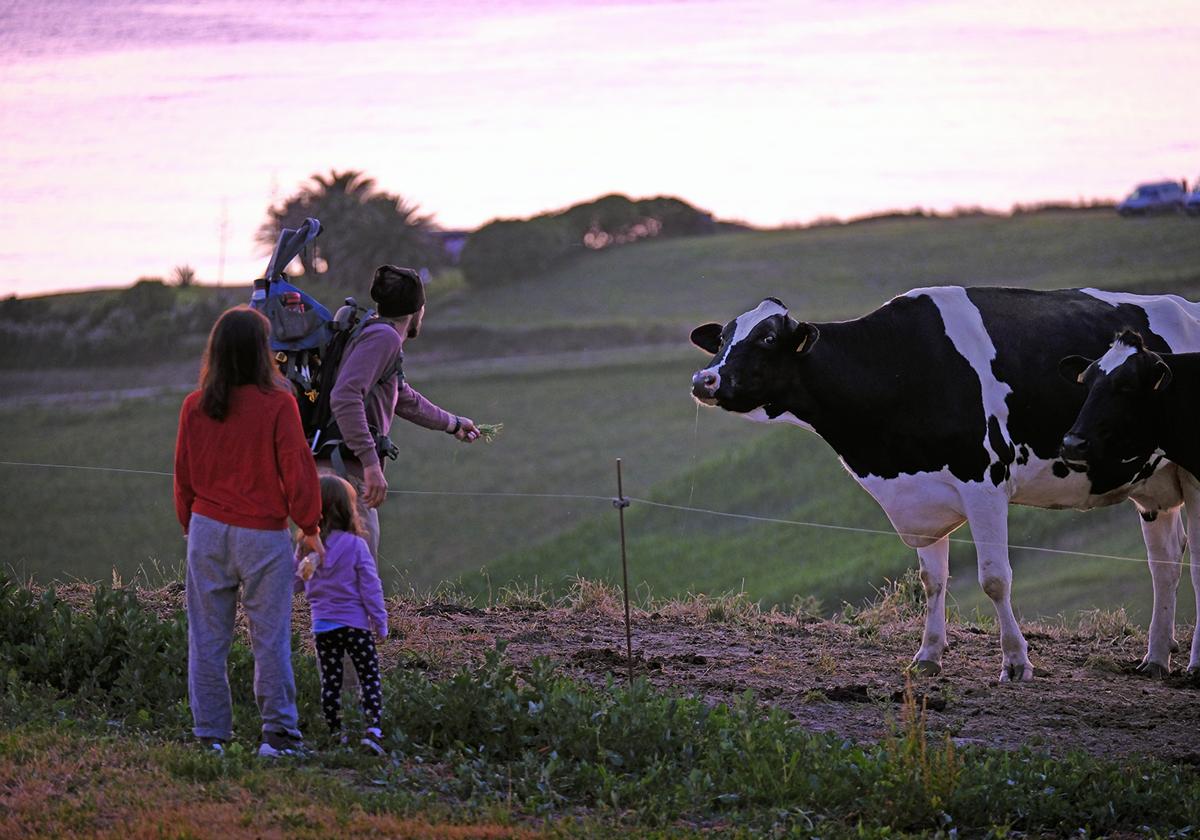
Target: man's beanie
(398, 291)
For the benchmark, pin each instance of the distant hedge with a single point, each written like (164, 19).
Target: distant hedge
(147, 321)
(508, 250)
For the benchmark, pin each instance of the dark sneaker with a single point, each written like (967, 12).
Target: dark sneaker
(372, 741)
(278, 744)
(215, 746)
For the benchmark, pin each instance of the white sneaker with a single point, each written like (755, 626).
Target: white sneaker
(213, 746)
(373, 741)
(280, 744)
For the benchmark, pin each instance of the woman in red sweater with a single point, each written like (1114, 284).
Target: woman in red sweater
(242, 469)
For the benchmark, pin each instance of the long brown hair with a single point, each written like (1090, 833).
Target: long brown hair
(339, 511)
(237, 354)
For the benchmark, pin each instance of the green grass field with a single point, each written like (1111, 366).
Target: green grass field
(566, 422)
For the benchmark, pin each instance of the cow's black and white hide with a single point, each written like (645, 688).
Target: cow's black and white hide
(1141, 407)
(946, 405)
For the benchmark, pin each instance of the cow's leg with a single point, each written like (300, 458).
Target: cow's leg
(1194, 522)
(1194, 660)
(988, 516)
(1191, 497)
(935, 574)
(1164, 550)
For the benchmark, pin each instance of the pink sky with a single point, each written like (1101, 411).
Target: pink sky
(119, 152)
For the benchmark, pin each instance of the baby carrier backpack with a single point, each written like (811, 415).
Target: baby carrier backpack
(309, 344)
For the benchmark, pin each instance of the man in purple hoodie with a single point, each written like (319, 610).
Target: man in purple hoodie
(370, 390)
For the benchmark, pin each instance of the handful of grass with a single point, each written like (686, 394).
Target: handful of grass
(488, 431)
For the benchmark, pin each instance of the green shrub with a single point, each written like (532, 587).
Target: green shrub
(118, 655)
(147, 320)
(507, 250)
(120, 660)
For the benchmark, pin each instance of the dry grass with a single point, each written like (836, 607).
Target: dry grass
(595, 596)
(56, 786)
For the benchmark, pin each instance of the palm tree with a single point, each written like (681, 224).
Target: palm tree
(363, 228)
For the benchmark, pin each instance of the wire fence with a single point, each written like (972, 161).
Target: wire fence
(649, 503)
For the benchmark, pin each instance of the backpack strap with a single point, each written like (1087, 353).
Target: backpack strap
(397, 367)
(333, 442)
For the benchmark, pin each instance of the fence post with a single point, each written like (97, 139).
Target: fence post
(620, 503)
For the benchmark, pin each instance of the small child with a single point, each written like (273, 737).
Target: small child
(346, 597)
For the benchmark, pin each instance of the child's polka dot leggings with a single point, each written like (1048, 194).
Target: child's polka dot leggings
(361, 647)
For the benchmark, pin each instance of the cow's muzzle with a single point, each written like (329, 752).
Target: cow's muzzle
(705, 384)
(1075, 448)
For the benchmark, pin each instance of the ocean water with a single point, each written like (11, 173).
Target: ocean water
(139, 136)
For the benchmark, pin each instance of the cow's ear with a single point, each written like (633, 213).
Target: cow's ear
(1163, 373)
(806, 335)
(707, 337)
(1071, 368)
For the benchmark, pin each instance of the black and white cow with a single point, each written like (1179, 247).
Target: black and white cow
(946, 405)
(1141, 407)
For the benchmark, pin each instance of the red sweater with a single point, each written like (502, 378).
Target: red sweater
(253, 469)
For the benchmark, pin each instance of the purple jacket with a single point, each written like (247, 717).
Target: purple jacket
(358, 399)
(346, 586)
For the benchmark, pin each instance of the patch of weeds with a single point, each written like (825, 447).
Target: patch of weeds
(730, 608)
(814, 695)
(521, 595)
(896, 601)
(193, 764)
(925, 778)
(447, 593)
(806, 608)
(866, 631)
(1104, 664)
(827, 664)
(116, 655)
(294, 819)
(593, 596)
(1107, 625)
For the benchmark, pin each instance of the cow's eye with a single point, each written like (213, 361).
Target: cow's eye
(768, 340)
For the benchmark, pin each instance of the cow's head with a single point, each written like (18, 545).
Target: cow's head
(1116, 423)
(751, 357)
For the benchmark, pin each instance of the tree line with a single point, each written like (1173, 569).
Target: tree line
(365, 227)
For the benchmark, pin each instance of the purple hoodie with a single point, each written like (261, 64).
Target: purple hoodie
(346, 586)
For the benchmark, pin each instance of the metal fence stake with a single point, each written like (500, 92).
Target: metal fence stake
(620, 503)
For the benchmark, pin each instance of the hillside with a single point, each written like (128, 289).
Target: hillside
(583, 366)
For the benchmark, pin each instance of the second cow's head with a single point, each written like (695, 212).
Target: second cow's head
(1118, 420)
(754, 357)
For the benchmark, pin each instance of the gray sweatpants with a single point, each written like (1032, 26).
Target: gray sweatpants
(220, 558)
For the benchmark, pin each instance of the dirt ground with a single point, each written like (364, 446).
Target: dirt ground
(831, 676)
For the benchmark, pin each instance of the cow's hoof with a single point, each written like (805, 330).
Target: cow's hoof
(1153, 670)
(926, 668)
(1017, 672)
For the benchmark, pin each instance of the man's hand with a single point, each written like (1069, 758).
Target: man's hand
(374, 486)
(311, 543)
(467, 431)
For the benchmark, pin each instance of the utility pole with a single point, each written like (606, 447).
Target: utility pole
(224, 228)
